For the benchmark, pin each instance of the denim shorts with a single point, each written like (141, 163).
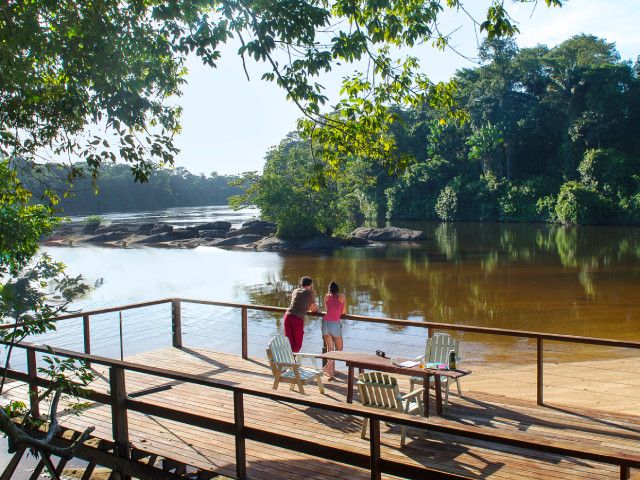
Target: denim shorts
(332, 327)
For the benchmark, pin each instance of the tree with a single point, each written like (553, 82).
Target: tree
(69, 67)
(28, 300)
(286, 195)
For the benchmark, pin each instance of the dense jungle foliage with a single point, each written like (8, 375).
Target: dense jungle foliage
(552, 135)
(118, 192)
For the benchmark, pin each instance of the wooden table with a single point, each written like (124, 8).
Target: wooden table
(373, 362)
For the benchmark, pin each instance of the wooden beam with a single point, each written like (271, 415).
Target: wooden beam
(88, 471)
(241, 451)
(439, 326)
(86, 333)
(245, 350)
(625, 473)
(32, 372)
(374, 447)
(540, 372)
(12, 465)
(119, 420)
(176, 323)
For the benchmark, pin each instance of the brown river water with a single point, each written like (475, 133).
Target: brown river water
(581, 281)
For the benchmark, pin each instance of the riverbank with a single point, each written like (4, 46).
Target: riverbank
(257, 235)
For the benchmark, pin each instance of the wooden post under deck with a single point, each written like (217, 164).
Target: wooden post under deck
(625, 473)
(241, 452)
(119, 420)
(540, 372)
(374, 443)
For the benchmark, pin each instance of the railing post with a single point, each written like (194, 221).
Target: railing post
(245, 352)
(176, 323)
(241, 452)
(625, 473)
(86, 330)
(119, 421)
(540, 371)
(430, 332)
(32, 371)
(374, 444)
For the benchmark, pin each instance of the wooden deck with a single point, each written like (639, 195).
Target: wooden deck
(474, 459)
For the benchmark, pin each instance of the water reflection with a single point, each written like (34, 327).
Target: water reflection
(582, 281)
(536, 277)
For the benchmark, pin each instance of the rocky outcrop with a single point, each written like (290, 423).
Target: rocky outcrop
(90, 227)
(235, 240)
(255, 234)
(177, 234)
(108, 237)
(273, 244)
(115, 227)
(387, 234)
(212, 234)
(160, 228)
(254, 227)
(218, 225)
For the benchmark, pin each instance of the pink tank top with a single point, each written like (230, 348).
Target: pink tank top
(334, 309)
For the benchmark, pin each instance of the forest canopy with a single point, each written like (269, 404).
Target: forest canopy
(552, 135)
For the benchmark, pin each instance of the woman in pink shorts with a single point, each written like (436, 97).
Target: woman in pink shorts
(336, 304)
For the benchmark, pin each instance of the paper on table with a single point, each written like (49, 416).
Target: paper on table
(407, 364)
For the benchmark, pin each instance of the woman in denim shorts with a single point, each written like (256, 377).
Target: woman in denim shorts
(336, 304)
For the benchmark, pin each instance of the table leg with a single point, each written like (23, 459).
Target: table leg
(425, 394)
(350, 385)
(438, 385)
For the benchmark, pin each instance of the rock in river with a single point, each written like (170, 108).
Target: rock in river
(237, 240)
(387, 234)
(218, 225)
(254, 227)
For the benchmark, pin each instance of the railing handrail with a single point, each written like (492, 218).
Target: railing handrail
(364, 318)
(438, 326)
(614, 458)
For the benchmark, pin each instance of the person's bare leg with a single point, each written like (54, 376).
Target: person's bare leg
(329, 368)
(337, 342)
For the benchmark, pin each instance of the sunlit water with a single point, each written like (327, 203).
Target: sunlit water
(582, 281)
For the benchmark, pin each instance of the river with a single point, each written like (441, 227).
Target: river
(582, 281)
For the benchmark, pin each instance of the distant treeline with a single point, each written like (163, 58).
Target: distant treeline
(117, 192)
(553, 135)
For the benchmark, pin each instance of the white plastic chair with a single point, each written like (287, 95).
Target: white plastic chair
(437, 350)
(380, 390)
(287, 366)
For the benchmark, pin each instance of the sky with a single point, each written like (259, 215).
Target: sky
(229, 122)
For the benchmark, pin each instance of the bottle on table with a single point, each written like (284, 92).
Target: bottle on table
(452, 360)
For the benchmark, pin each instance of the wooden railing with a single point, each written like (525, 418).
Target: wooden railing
(430, 327)
(120, 405)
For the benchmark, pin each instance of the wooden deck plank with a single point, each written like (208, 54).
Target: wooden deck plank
(215, 451)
